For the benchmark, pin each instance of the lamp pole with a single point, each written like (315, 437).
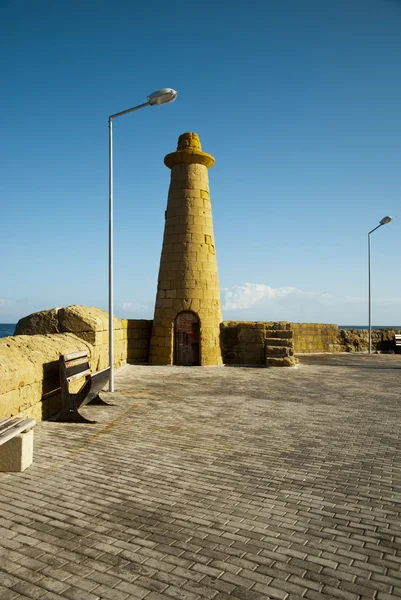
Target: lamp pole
(384, 221)
(163, 96)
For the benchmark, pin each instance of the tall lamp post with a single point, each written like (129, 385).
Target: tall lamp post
(384, 221)
(163, 96)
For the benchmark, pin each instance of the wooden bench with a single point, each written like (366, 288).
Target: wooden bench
(73, 367)
(16, 444)
(397, 341)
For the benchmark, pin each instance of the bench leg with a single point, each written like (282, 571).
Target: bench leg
(97, 401)
(16, 455)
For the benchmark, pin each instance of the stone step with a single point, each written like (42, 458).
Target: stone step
(278, 351)
(279, 333)
(286, 361)
(279, 342)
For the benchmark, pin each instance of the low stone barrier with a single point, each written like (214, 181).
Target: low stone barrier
(88, 323)
(139, 332)
(29, 381)
(29, 378)
(316, 337)
(243, 342)
(357, 340)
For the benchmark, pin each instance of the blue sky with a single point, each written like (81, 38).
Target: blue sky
(299, 102)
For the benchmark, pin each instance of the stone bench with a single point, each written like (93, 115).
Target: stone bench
(16, 444)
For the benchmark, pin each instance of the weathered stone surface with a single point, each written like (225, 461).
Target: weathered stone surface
(300, 337)
(85, 320)
(29, 371)
(280, 333)
(29, 377)
(315, 337)
(278, 351)
(44, 322)
(28, 359)
(357, 340)
(285, 361)
(29, 363)
(289, 343)
(280, 325)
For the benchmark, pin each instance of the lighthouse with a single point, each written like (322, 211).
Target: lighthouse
(186, 325)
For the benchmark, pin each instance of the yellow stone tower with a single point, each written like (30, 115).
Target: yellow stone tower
(186, 325)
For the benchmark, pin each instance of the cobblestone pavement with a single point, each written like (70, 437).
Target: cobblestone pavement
(220, 483)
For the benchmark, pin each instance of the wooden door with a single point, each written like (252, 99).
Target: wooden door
(186, 339)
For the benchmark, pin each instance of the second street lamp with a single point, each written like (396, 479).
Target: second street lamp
(384, 221)
(163, 96)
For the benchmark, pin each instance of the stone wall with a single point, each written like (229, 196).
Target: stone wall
(139, 332)
(87, 323)
(242, 342)
(29, 382)
(357, 340)
(29, 378)
(315, 337)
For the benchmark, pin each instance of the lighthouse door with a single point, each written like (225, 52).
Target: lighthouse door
(186, 339)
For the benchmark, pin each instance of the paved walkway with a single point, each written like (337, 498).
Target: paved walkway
(220, 483)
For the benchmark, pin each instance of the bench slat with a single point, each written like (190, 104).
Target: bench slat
(74, 355)
(78, 376)
(70, 371)
(76, 362)
(3, 422)
(16, 428)
(8, 423)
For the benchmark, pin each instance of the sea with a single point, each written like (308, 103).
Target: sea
(6, 329)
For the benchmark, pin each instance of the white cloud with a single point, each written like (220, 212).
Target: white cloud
(249, 294)
(134, 310)
(260, 302)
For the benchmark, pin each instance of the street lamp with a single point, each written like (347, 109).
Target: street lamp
(384, 221)
(163, 96)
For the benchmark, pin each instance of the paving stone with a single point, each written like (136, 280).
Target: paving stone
(28, 590)
(7, 593)
(104, 591)
(74, 593)
(132, 589)
(215, 483)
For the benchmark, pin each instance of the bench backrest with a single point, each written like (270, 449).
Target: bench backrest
(397, 338)
(75, 365)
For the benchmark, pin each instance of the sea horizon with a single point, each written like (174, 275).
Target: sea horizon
(7, 329)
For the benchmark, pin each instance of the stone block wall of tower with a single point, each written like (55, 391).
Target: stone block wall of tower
(188, 278)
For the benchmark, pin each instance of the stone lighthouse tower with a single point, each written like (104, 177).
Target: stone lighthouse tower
(187, 313)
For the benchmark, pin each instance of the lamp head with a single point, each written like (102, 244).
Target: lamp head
(163, 96)
(385, 220)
